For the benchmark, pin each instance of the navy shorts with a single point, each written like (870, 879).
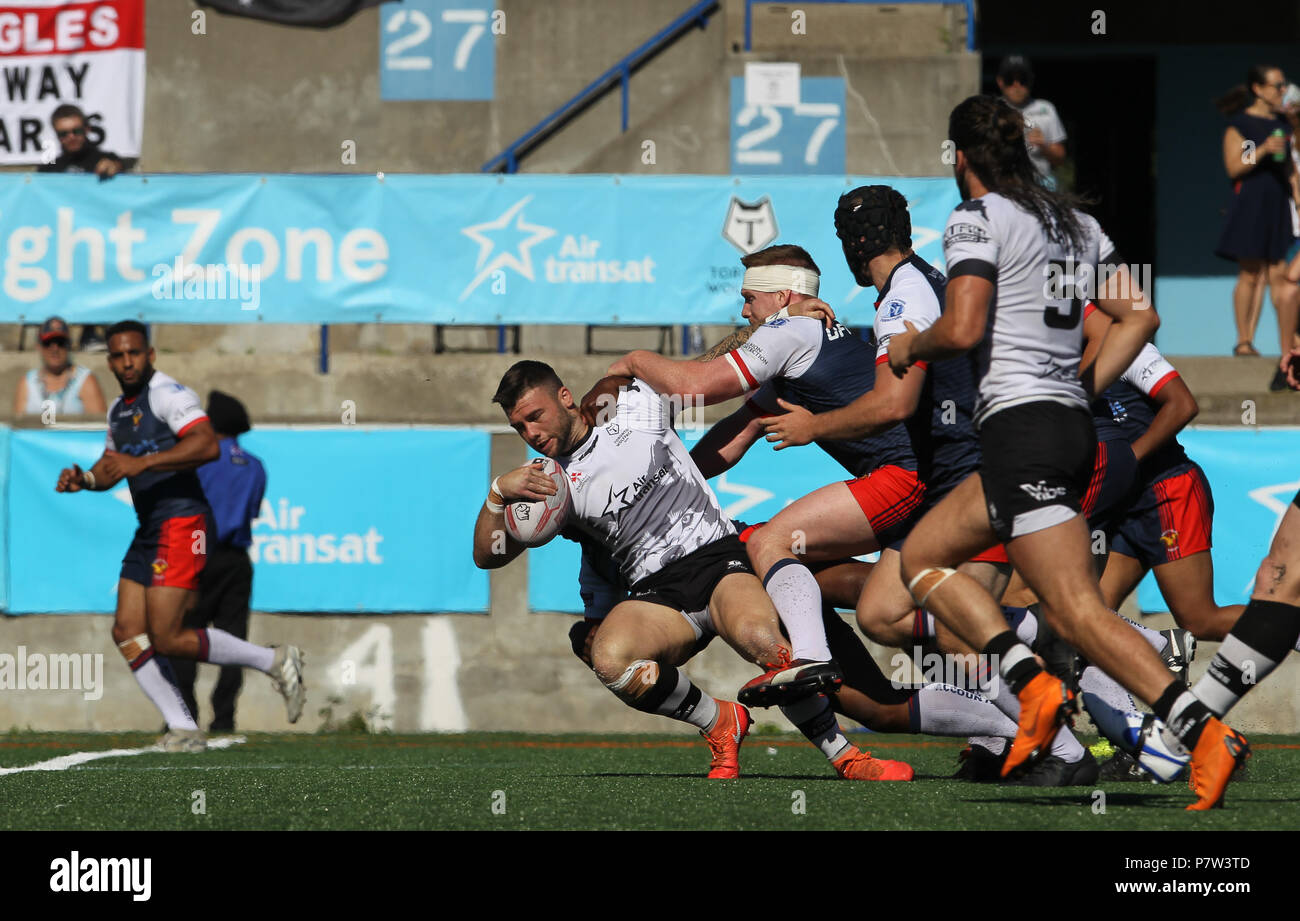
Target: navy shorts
(1114, 485)
(1171, 519)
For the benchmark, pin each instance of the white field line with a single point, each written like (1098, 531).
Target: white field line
(63, 762)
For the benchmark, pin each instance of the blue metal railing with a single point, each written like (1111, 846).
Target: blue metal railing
(969, 4)
(620, 73)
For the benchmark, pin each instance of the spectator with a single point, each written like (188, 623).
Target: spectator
(70, 389)
(1258, 232)
(234, 484)
(79, 155)
(1044, 133)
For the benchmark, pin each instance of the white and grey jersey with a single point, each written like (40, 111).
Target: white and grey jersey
(636, 490)
(1034, 335)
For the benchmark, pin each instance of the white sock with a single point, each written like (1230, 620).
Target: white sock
(160, 687)
(1066, 747)
(815, 719)
(944, 710)
(227, 649)
(1157, 639)
(798, 601)
(995, 744)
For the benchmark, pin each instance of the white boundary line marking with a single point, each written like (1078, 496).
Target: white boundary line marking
(63, 762)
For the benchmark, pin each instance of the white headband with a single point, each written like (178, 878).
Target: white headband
(781, 278)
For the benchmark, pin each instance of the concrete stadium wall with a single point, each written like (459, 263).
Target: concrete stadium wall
(511, 670)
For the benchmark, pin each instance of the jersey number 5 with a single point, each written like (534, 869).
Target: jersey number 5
(1062, 312)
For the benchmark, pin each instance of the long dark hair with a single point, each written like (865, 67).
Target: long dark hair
(991, 133)
(1241, 95)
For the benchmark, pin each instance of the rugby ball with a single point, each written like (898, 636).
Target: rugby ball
(535, 523)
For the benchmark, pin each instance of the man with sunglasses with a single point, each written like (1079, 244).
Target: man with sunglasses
(1044, 133)
(58, 384)
(79, 154)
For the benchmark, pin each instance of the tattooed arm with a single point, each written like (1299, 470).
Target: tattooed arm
(734, 341)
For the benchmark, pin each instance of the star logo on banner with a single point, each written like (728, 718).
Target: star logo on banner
(1277, 499)
(516, 257)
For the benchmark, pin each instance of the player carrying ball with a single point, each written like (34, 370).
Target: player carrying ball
(636, 492)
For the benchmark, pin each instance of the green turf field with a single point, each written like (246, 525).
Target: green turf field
(341, 781)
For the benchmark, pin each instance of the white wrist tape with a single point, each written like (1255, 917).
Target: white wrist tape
(494, 506)
(87, 479)
(781, 278)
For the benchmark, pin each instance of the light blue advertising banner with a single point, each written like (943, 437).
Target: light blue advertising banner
(338, 530)
(789, 140)
(421, 249)
(437, 49)
(1254, 475)
(760, 485)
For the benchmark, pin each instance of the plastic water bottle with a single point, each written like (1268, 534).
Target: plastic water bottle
(1281, 154)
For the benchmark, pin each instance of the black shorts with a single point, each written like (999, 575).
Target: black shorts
(1036, 466)
(687, 584)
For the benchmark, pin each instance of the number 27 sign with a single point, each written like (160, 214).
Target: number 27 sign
(804, 138)
(438, 49)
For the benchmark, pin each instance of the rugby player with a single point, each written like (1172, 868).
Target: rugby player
(833, 371)
(1003, 244)
(867, 696)
(1267, 630)
(636, 492)
(158, 435)
(1167, 528)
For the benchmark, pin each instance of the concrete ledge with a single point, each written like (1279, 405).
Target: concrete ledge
(510, 671)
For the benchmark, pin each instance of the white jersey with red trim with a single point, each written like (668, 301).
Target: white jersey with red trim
(1128, 407)
(636, 490)
(1034, 334)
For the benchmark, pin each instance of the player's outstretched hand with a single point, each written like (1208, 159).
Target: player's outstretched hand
(900, 350)
(1290, 366)
(526, 482)
(69, 480)
(811, 307)
(796, 427)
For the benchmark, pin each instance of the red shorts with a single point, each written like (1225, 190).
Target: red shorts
(168, 552)
(889, 496)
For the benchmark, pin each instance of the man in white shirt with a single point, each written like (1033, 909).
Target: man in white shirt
(1044, 133)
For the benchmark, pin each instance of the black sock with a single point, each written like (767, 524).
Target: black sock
(1261, 638)
(1183, 713)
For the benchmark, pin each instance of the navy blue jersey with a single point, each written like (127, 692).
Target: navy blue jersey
(151, 422)
(943, 427)
(1127, 408)
(801, 361)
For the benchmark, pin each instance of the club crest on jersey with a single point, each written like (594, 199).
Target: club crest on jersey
(748, 227)
(893, 309)
(136, 417)
(611, 429)
(159, 566)
(1169, 539)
